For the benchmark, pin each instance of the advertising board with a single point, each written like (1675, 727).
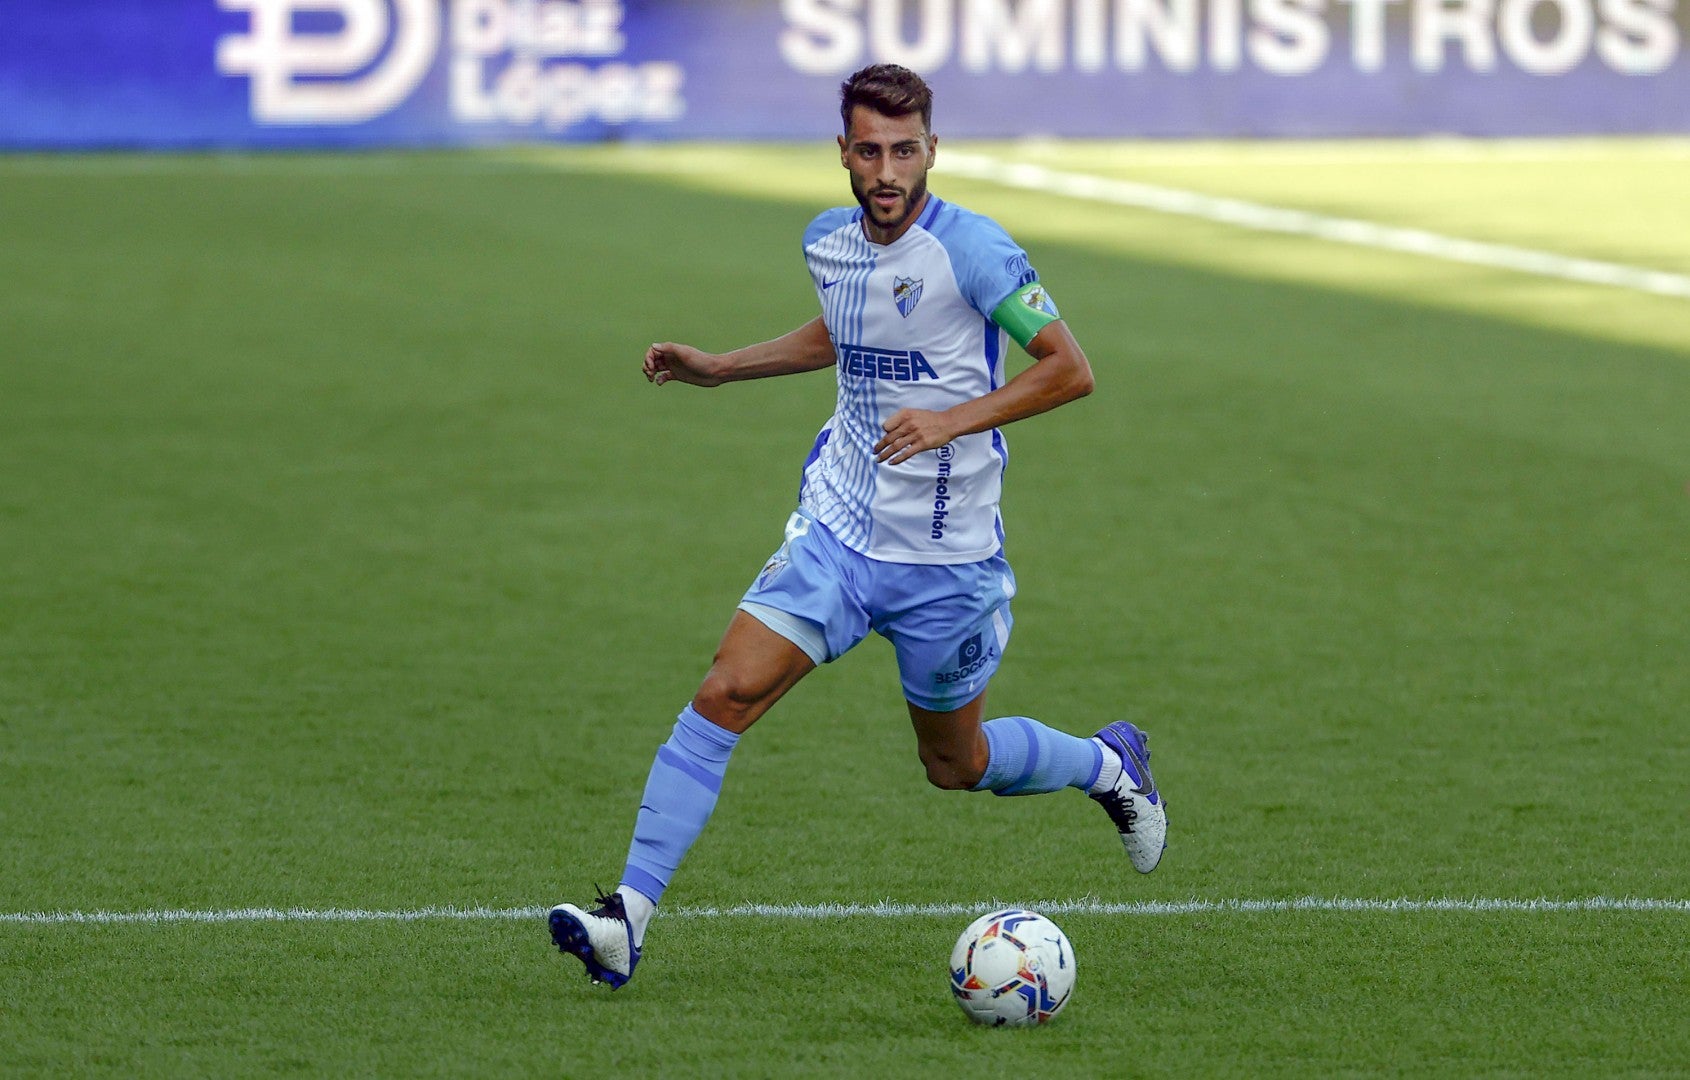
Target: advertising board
(184, 73)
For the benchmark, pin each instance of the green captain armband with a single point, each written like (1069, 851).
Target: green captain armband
(1025, 312)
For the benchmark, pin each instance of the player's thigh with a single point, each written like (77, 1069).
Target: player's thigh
(754, 667)
(801, 611)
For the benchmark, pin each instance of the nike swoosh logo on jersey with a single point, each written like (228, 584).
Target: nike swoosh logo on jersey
(826, 285)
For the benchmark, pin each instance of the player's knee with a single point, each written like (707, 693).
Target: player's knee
(950, 770)
(728, 699)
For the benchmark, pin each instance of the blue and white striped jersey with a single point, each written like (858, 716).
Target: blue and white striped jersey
(912, 327)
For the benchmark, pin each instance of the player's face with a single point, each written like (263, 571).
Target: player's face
(888, 157)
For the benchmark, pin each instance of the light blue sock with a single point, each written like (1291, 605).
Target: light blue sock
(680, 792)
(1027, 758)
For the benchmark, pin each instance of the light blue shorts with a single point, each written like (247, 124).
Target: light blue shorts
(949, 624)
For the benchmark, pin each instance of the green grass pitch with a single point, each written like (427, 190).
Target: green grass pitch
(347, 562)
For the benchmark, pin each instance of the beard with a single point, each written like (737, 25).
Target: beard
(899, 213)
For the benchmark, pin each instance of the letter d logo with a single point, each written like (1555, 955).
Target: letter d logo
(341, 90)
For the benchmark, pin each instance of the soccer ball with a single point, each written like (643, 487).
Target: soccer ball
(1012, 967)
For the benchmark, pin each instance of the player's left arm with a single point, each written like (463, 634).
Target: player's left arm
(1059, 374)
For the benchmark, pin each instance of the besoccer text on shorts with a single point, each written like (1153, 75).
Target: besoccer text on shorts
(897, 527)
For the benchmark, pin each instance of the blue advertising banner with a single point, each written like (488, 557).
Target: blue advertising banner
(185, 73)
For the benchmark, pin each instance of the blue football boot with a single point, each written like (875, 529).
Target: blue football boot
(1133, 803)
(602, 938)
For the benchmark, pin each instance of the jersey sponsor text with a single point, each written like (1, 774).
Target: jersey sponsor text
(890, 364)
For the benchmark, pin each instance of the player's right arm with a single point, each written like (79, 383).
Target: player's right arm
(808, 348)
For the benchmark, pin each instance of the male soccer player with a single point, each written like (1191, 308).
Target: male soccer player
(897, 528)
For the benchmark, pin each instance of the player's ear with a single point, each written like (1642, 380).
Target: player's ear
(932, 149)
(842, 160)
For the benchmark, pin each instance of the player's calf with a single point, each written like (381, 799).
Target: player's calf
(953, 769)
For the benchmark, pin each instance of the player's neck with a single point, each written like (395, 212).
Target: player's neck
(884, 236)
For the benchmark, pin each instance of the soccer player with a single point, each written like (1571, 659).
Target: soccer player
(897, 527)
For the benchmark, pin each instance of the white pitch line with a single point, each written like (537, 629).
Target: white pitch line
(1263, 218)
(884, 909)
(889, 909)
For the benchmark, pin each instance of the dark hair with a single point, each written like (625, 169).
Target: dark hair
(889, 90)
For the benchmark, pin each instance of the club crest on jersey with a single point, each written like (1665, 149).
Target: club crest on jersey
(907, 293)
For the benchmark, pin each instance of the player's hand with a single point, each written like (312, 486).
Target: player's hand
(909, 432)
(666, 361)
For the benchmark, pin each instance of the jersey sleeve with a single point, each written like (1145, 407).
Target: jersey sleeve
(826, 222)
(995, 276)
(824, 225)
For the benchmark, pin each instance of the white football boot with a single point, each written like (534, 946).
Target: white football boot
(1132, 802)
(602, 938)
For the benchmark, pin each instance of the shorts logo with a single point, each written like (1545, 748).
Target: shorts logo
(969, 652)
(771, 569)
(973, 655)
(796, 526)
(369, 60)
(907, 293)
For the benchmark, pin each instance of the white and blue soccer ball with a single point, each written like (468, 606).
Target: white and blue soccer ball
(1012, 967)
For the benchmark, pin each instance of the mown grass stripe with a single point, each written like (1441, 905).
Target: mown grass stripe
(1243, 214)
